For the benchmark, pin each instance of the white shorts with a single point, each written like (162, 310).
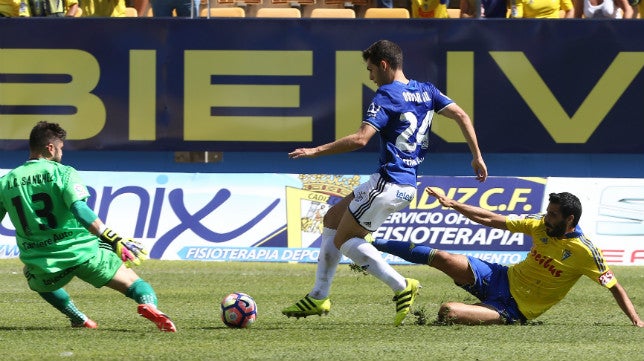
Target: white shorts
(376, 199)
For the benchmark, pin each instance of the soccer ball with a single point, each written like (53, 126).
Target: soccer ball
(238, 310)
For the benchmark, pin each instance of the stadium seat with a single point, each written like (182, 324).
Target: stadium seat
(333, 13)
(221, 12)
(454, 13)
(279, 13)
(381, 13)
(131, 12)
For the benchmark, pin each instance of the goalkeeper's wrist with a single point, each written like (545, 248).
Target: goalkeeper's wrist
(109, 236)
(102, 229)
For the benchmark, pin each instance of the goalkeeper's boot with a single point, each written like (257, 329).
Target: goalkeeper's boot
(88, 323)
(160, 319)
(404, 299)
(308, 306)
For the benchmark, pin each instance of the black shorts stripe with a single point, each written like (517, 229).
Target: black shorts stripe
(378, 190)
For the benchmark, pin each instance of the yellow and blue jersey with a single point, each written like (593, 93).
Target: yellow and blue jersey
(552, 266)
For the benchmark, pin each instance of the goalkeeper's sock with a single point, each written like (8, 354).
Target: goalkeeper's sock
(328, 262)
(365, 255)
(142, 293)
(408, 251)
(62, 302)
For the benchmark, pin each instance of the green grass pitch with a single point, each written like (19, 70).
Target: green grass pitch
(586, 325)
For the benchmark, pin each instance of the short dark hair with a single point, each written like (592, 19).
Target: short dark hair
(44, 133)
(568, 204)
(384, 50)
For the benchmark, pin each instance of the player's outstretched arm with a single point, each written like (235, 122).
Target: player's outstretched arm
(456, 113)
(476, 214)
(626, 305)
(346, 144)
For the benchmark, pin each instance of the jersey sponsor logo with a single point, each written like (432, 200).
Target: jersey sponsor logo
(546, 262)
(606, 277)
(47, 242)
(413, 162)
(59, 276)
(29, 245)
(405, 196)
(62, 235)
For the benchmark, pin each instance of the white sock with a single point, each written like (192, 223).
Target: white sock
(328, 262)
(365, 255)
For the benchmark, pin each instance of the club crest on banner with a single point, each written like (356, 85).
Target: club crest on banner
(306, 207)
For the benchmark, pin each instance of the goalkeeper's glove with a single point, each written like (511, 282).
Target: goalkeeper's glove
(130, 251)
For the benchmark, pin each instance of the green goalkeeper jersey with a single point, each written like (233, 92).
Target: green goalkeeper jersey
(38, 196)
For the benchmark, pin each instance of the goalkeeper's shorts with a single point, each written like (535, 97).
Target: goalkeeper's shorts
(97, 271)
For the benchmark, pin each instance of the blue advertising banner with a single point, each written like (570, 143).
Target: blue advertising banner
(278, 217)
(426, 222)
(275, 84)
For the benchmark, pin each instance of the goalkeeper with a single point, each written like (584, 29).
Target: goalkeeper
(58, 235)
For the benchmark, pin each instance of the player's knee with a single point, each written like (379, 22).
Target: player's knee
(448, 313)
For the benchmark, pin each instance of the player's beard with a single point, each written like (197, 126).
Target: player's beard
(556, 230)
